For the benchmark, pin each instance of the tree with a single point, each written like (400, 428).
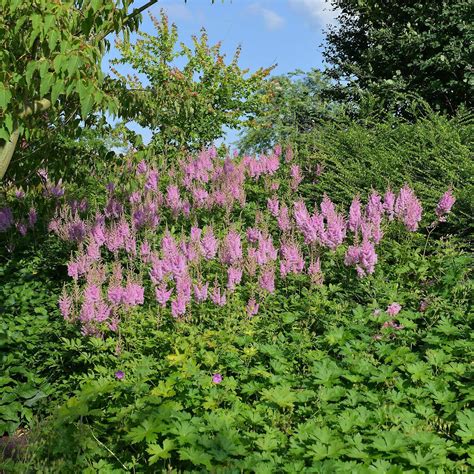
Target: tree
(50, 52)
(295, 105)
(390, 48)
(185, 106)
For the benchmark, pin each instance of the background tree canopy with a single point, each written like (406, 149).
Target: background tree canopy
(392, 48)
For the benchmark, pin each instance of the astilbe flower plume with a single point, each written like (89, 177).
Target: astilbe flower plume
(6, 219)
(231, 248)
(444, 205)
(209, 244)
(234, 277)
(291, 259)
(266, 280)
(218, 297)
(408, 208)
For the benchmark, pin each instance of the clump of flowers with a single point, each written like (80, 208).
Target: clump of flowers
(181, 239)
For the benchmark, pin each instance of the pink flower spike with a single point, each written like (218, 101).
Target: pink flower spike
(444, 205)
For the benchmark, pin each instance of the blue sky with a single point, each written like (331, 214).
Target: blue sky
(288, 33)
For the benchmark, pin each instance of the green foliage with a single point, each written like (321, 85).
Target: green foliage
(51, 55)
(295, 106)
(306, 384)
(393, 48)
(186, 106)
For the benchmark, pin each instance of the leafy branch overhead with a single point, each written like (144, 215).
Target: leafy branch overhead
(51, 53)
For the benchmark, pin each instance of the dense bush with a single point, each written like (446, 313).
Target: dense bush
(431, 154)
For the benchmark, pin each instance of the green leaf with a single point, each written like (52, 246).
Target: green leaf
(57, 89)
(45, 85)
(157, 452)
(466, 426)
(53, 39)
(5, 96)
(195, 456)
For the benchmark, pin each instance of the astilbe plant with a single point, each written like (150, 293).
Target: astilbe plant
(176, 240)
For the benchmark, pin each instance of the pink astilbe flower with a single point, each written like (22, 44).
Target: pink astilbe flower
(234, 277)
(73, 270)
(152, 181)
(200, 292)
(22, 228)
(335, 232)
(169, 246)
(393, 309)
(252, 307)
(6, 219)
(65, 305)
(183, 288)
(284, 219)
(374, 212)
(311, 227)
(92, 294)
(176, 265)
(368, 259)
(267, 280)
(265, 252)
(231, 248)
(291, 259)
(218, 297)
(98, 232)
(408, 208)
(363, 257)
(102, 311)
(209, 244)
(135, 197)
(288, 154)
(115, 294)
(178, 307)
(76, 230)
(328, 208)
(273, 206)
(133, 294)
(355, 215)
(253, 234)
(162, 294)
(32, 217)
(444, 205)
(142, 167)
(296, 177)
(145, 251)
(173, 198)
(113, 209)
(93, 251)
(200, 197)
(157, 272)
(195, 234)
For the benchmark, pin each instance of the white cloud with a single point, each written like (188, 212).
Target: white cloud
(272, 20)
(320, 11)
